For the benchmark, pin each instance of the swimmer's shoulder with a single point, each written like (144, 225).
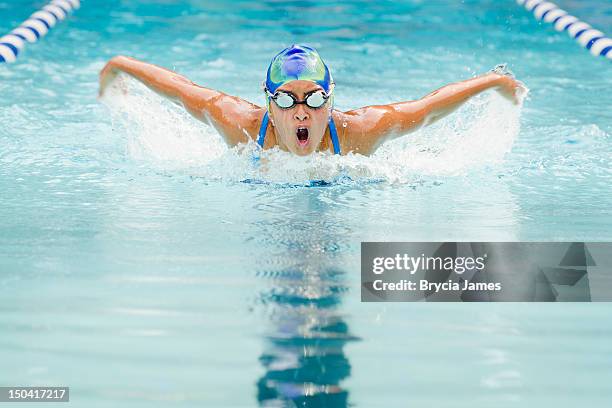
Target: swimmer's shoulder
(239, 121)
(357, 129)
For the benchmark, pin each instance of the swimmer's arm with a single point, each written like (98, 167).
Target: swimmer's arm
(447, 99)
(230, 115)
(379, 124)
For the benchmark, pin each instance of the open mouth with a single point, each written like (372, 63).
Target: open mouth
(302, 135)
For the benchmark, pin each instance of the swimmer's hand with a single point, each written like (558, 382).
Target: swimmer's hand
(108, 74)
(507, 85)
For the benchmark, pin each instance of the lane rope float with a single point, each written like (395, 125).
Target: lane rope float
(593, 40)
(35, 27)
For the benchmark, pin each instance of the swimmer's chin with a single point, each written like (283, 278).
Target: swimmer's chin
(303, 150)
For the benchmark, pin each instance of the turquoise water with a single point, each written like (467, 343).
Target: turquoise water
(139, 269)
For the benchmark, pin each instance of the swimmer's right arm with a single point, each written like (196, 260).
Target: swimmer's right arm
(230, 115)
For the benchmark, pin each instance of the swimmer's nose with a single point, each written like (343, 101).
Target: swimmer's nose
(300, 113)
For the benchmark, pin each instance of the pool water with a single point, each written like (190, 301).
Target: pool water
(143, 263)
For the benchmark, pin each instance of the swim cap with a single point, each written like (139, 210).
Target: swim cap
(298, 62)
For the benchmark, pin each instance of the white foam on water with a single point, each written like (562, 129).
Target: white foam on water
(165, 136)
(157, 130)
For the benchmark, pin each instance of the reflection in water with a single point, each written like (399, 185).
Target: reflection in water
(304, 357)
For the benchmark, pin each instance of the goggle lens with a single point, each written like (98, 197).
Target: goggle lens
(284, 100)
(316, 100)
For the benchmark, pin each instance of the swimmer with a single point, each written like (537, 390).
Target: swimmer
(299, 116)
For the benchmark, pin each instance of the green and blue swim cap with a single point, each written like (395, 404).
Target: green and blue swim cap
(298, 62)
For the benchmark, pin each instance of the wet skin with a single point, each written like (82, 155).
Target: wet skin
(360, 130)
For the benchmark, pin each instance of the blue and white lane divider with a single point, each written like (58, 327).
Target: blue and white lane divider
(35, 27)
(593, 40)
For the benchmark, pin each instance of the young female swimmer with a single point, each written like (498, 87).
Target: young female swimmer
(299, 115)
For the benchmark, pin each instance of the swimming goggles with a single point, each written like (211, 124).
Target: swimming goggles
(286, 100)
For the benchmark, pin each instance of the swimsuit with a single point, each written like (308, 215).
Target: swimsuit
(332, 132)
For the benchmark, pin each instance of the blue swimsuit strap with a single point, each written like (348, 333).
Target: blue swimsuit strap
(332, 132)
(334, 135)
(262, 130)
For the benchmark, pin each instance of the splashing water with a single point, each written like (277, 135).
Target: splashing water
(165, 136)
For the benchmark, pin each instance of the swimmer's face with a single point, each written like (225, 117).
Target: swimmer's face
(300, 128)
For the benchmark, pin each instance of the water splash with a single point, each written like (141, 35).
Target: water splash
(164, 136)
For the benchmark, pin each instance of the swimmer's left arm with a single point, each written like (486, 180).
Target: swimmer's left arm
(447, 99)
(378, 124)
